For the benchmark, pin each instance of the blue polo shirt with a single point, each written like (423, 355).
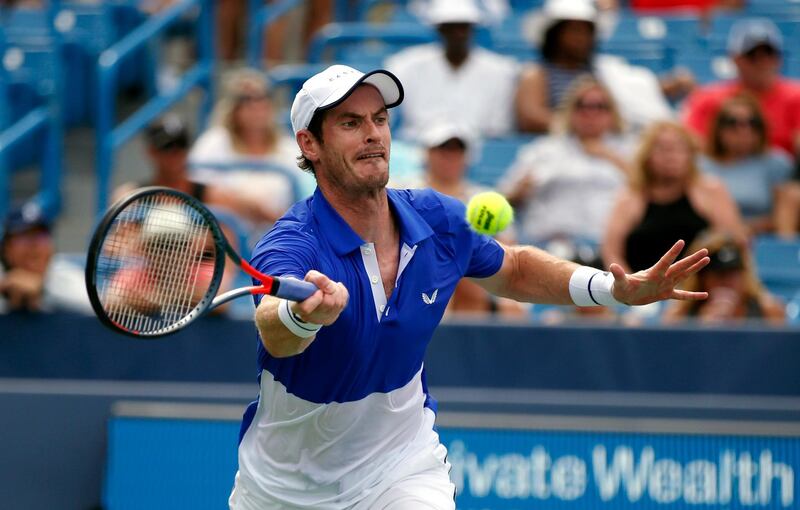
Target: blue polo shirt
(368, 365)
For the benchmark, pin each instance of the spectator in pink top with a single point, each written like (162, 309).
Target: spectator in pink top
(756, 46)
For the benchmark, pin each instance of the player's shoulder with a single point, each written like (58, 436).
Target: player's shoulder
(295, 227)
(438, 210)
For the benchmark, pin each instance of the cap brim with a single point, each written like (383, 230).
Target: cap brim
(387, 84)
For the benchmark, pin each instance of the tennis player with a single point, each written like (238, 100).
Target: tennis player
(344, 419)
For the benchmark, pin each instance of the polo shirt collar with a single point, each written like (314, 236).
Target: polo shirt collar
(413, 228)
(343, 239)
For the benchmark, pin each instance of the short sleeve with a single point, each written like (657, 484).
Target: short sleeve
(285, 252)
(480, 254)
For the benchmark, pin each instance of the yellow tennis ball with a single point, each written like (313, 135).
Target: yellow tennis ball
(489, 212)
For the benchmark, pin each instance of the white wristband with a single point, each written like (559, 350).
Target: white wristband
(591, 287)
(295, 324)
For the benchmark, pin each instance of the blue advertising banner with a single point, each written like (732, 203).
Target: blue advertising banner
(516, 470)
(190, 463)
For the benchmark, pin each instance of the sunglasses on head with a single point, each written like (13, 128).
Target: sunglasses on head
(733, 121)
(598, 106)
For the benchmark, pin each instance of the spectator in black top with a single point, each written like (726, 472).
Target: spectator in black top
(668, 199)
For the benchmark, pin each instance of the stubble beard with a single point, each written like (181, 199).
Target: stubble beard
(342, 175)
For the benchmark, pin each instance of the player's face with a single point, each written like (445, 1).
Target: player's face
(354, 155)
(670, 156)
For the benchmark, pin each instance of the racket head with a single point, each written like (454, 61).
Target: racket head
(155, 263)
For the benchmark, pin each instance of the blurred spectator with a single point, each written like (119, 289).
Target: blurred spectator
(493, 11)
(756, 46)
(668, 199)
(737, 153)
(564, 184)
(32, 278)
(233, 17)
(565, 33)
(469, 84)
(448, 148)
(734, 291)
(787, 211)
(245, 150)
(167, 148)
(700, 6)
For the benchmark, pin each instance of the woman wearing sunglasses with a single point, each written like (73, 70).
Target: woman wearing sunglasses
(563, 184)
(737, 152)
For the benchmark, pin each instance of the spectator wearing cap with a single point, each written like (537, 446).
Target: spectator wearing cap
(734, 290)
(448, 148)
(566, 34)
(755, 45)
(246, 150)
(167, 142)
(563, 184)
(31, 277)
(453, 79)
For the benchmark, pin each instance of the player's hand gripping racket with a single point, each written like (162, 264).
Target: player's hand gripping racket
(156, 261)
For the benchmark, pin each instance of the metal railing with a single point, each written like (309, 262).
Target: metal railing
(109, 137)
(46, 117)
(262, 16)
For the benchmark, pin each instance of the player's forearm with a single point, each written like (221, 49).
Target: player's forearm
(276, 337)
(533, 275)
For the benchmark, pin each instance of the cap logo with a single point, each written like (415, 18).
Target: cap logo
(340, 74)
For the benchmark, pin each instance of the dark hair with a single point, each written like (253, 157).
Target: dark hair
(715, 148)
(315, 127)
(550, 40)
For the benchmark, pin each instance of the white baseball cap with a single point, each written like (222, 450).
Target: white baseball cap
(332, 86)
(453, 11)
(747, 34)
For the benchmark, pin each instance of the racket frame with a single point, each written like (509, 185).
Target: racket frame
(208, 300)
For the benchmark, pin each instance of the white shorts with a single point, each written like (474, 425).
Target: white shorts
(421, 483)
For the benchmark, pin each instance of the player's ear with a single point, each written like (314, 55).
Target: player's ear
(309, 145)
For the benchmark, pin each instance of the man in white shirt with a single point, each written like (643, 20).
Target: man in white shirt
(452, 79)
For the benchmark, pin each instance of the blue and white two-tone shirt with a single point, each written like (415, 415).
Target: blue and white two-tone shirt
(332, 421)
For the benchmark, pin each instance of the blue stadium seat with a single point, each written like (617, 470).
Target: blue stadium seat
(652, 54)
(671, 31)
(793, 310)
(778, 264)
(707, 67)
(496, 156)
(329, 42)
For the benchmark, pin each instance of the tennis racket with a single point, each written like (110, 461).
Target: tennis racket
(156, 261)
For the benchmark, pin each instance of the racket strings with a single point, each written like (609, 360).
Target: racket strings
(156, 264)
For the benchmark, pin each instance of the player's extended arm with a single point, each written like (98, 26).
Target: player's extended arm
(322, 308)
(530, 274)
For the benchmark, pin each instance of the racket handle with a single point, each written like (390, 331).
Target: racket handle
(294, 289)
